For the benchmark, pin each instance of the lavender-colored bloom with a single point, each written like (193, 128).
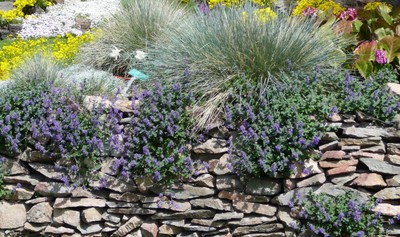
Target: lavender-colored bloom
(203, 8)
(146, 151)
(157, 176)
(380, 56)
(391, 221)
(74, 169)
(360, 234)
(357, 215)
(306, 171)
(276, 128)
(274, 168)
(278, 148)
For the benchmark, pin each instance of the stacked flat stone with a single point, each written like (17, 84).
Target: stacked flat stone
(358, 158)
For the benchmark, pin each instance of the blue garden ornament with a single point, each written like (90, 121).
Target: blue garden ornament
(138, 75)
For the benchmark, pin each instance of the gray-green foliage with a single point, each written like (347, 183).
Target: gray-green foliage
(213, 49)
(137, 25)
(43, 69)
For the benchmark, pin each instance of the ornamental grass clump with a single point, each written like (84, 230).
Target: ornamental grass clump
(137, 25)
(158, 138)
(44, 69)
(214, 49)
(349, 217)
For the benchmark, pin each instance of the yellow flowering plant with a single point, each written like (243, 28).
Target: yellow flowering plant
(230, 3)
(322, 5)
(20, 5)
(61, 49)
(372, 6)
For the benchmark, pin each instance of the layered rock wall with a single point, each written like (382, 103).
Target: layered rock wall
(358, 158)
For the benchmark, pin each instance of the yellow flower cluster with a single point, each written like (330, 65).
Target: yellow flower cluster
(322, 5)
(19, 7)
(371, 6)
(265, 14)
(62, 49)
(229, 3)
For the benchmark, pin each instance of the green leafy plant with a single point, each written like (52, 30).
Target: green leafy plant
(349, 217)
(3, 191)
(378, 31)
(158, 137)
(280, 124)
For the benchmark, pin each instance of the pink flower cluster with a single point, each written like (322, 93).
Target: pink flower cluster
(309, 11)
(380, 56)
(350, 14)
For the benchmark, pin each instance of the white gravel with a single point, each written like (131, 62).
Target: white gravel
(60, 18)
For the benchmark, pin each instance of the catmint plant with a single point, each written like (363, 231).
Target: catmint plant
(50, 120)
(349, 217)
(158, 137)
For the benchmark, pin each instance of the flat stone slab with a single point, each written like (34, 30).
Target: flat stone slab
(184, 191)
(366, 132)
(79, 202)
(380, 166)
(248, 207)
(252, 220)
(12, 216)
(212, 203)
(265, 228)
(388, 194)
(53, 189)
(387, 209)
(263, 186)
(191, 214)
(328, 188)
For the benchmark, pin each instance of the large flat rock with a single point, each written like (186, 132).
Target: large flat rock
(380, 166)
(12, 215)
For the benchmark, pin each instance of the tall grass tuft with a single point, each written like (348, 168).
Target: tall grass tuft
(76, 78)
(138, 24)
(212, 52)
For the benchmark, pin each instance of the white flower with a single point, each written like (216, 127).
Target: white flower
(140, 55)
(115, 53)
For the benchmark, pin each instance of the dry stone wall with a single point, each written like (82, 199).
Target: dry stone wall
(357, 158)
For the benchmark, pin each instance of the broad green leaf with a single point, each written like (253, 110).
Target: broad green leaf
(366, 51)
(384, 11)
(391, 44)
(383, 32)
(357, 25)
(365, 68)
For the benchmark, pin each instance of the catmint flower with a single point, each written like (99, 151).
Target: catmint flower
(306, 171)
(274, 168)
(276, 128)
(157, 176)
(146, 151)
(391, 221)
(380, 56)
(360, 234)
(278, 147)
(74, 169)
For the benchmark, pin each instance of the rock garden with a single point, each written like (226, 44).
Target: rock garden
(258, 118)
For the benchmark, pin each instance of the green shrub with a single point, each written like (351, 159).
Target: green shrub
(3, 192)
(158, 137)
(349, 217)
(51, 121)
(282, 124)
(136, 26)
(215, 49)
